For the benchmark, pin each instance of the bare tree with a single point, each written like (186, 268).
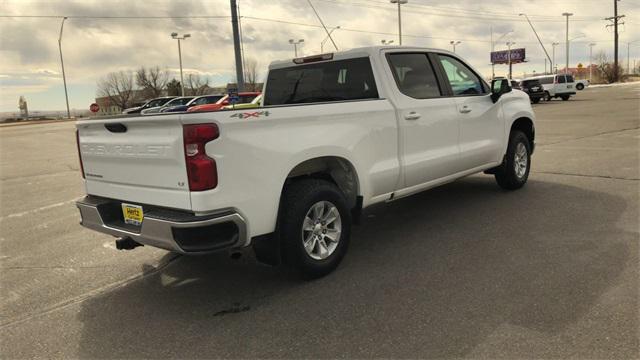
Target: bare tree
(174, 88)
(118, 87)
(196, 85)
(151, 81)
(251, 74)
(606, 70)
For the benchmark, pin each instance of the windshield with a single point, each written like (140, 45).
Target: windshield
(179, 101)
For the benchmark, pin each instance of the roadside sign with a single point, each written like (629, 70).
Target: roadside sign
(94, 108)
(502, 57)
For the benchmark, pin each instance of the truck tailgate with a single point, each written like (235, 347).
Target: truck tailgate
(139, 159)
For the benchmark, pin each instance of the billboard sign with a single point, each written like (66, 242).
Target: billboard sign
(502, 57)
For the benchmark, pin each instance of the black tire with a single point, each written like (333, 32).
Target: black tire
(565, 97)
(536, 100)
(580, 86)
(547, 96)
(505, 174)
(298, 199)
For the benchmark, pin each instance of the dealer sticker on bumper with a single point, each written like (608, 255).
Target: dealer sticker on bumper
(132, 214)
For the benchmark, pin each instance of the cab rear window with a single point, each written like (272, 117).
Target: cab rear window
(350, 79)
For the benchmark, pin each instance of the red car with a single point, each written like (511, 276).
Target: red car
(245, 98)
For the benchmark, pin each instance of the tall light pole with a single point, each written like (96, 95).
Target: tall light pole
(566, 14)
(553, 62)
(327, 38)
(64, 77)
(509, 45)
(183, 37)
(454, 43)
(591, 60)
(399, 2)
(493, 66)
(386, 42)
(295, 45)
(538, 37)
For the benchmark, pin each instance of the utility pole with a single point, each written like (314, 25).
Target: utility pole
(509, 44)
(591, 60)
(64, 78)
(454, 43)
(399, 2)
(538, 37)
(493, 65)
(295, 45)
(566, 69)
(553, 62)
(236, 45)
(615, 24)
(184, 37)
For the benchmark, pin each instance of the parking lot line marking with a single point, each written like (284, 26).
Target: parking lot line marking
(33, 211)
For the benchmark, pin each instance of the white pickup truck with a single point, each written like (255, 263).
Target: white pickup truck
(336, 133)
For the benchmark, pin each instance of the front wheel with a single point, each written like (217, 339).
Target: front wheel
(565, 97)
(514, 171)
(314, 226)
(580, 86)
(536, 100)
(547, 96)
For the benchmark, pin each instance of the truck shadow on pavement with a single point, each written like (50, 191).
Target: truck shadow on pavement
(433, 275)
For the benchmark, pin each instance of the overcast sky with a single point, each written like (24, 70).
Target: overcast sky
(30, 63)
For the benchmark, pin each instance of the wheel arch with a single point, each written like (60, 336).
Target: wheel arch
(333, 168)
(526, 125)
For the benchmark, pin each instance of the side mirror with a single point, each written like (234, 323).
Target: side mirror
(498, 88)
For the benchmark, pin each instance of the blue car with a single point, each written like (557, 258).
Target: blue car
(199, 100)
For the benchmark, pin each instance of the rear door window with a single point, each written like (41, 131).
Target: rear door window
(561, 79)
(569, 78)
(546, 80)
(463, 80)
(414, 75)
(339, 80)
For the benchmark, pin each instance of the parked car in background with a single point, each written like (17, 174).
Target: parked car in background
(515, 84)
(199, 100)
(149, 104)
(183, 100)
(581, 84)
(257, 102)
(244, 98)
(533, 88)
(339, 132)
(556, 86)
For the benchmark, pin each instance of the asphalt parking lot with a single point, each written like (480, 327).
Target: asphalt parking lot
(462, 271)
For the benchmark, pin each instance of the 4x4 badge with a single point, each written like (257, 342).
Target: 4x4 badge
(250, 114)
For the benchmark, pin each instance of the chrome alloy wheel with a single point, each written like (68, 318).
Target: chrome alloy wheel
(321, 230)
(520, 161)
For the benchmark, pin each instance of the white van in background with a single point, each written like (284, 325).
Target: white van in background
(557, 86)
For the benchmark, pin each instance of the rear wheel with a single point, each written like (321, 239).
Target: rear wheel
(536, 100)
(547, 96)
(514, 171)
(315, 227)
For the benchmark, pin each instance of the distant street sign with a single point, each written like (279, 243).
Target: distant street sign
(502, 57)
(94, 108)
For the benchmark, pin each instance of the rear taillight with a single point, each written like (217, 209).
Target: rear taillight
(79, 153)
(201, 169)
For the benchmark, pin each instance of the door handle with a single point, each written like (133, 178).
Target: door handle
(465, 109)
(412, 116)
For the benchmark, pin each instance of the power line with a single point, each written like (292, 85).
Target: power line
(511, 18)
(114, 17)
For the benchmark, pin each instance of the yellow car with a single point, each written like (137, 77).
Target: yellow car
(256, 103)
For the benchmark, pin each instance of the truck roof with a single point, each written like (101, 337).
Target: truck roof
(358, 52)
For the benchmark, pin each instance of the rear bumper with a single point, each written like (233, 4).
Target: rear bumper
(176, 231)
